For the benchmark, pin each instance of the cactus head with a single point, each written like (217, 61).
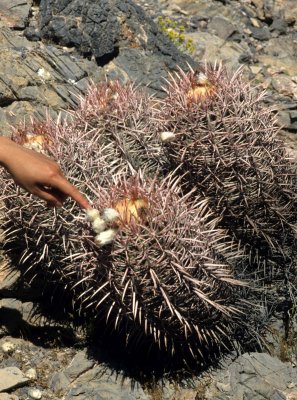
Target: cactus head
(167, 274)
(225, 141)
(122, 127)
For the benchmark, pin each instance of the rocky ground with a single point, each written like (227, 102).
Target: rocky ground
(42, 68)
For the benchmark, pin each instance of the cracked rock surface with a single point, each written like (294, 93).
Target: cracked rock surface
(254, 376)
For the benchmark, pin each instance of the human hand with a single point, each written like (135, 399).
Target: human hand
(38, 174)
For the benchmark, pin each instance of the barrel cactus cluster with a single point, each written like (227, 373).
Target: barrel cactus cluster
(193, 208)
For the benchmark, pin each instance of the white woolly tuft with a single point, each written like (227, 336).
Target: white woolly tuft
(167, 136)
(110, 214)
(92, 214)
(202, 78)
(99, 225)
(105, 237)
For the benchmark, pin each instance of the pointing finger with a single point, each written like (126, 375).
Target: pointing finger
(67, 188)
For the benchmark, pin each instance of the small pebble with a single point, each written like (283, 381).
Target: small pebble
(291, 385)
(35, 393)
(31, 374)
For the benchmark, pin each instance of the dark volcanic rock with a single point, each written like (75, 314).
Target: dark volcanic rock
(102, 29)
(261, 33)
(222, 26)
(279, 25)
(91, 27)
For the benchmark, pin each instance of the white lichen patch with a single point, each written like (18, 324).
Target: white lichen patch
(72, 81)
(8, 347)
(44, 74)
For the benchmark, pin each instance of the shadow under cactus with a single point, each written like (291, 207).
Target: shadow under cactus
(51, 326)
